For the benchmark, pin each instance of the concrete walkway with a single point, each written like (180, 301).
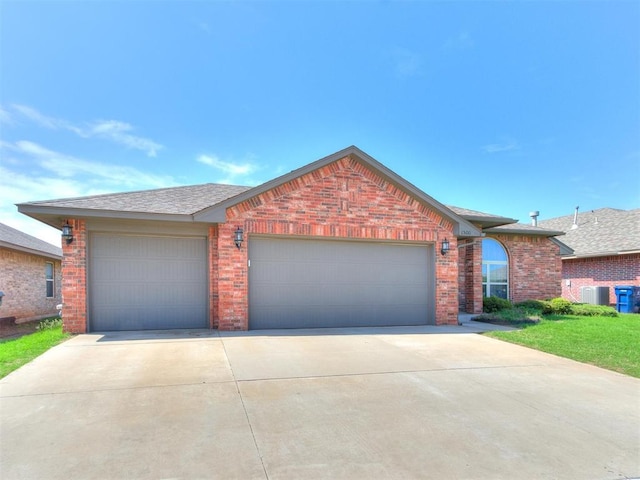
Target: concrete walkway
(414, 402)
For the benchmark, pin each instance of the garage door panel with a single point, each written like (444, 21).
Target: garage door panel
(322, 283)
(143, 282)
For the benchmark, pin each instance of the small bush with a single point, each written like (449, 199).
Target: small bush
(587, 310)
(557, 306)
(495, 304)
(49, 323)
(531, 305)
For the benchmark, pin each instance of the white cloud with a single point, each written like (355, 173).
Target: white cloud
(5, 117)
(501, 147)
(67, 166)
(113, 130)
(231, 169)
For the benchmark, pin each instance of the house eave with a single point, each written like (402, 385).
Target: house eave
(599, 254)
(522, 231)
(32, 251)
(56, 216)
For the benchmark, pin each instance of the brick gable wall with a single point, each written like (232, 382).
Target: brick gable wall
(341, 200)
(599, 272)
(22, 279)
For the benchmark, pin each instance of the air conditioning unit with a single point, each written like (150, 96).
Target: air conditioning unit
(595, 295)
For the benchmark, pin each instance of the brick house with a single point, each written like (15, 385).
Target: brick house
(30, 273)
(343, 241)
(605, 252)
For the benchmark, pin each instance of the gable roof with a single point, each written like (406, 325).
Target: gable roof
(208, 203)
(174, 204)
(462, 228)
(17, 240)
(601, 232)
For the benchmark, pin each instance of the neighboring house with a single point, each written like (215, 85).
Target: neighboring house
(343, 241)
(30, 271)
(606, 251)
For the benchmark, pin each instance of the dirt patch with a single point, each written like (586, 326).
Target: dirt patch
(10, 330)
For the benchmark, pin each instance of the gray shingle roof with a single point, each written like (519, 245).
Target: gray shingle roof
(17, 240)
(606, 231)
(175, 200)
(487, 220)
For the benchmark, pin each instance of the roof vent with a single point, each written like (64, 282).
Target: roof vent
(534, 217)
(575, 219)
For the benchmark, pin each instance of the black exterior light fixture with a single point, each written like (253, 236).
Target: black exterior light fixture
(238, 237)
(67, 233)
(445, 247)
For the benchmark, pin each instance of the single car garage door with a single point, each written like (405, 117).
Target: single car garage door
(147, 282)
(308, 283)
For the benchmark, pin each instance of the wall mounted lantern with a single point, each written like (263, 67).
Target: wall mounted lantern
(445, 247)
(238, 237)
(67, 233)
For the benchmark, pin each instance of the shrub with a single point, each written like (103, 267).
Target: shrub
(495, 304)
(49, 323)
(531, 305)
(557, 306)
(587, 310)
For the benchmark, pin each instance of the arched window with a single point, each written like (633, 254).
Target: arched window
(495, 269)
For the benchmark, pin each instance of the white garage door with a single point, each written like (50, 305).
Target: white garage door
(147, 282)
(310, 283)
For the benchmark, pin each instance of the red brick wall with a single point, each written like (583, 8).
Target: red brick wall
(22, 279)
(74, 280)
(534, 267)
(599, 272)
(341, 200)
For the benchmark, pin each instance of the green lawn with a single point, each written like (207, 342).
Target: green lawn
(16, 352)
(608, 342)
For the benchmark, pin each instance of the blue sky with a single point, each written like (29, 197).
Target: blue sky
(502, 107)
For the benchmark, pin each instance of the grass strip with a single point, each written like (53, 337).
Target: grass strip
(14, 353)
(607, 342)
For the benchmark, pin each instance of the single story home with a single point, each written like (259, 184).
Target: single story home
(342, 241)
(605, 253)
(30, 273)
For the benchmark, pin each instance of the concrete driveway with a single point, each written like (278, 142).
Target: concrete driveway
(415, 402)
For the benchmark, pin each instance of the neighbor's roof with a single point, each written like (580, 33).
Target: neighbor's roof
(17, 240)
(208, 203)
(606, 231)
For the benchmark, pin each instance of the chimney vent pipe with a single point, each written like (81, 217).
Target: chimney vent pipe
(534, 217)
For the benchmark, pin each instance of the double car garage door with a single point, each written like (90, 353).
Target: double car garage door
(153, 282)
(322, 283)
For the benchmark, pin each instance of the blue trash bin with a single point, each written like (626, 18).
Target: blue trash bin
(626, 298)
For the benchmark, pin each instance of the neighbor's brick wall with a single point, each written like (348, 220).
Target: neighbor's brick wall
(23, 281)
(599, 272)
(341, 200)
(535, 268)
(74, 280)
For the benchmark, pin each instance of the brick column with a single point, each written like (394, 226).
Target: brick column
(233, 282)
(74, 280)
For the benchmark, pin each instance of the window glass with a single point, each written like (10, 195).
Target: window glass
(48, 272)
(495, 269)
